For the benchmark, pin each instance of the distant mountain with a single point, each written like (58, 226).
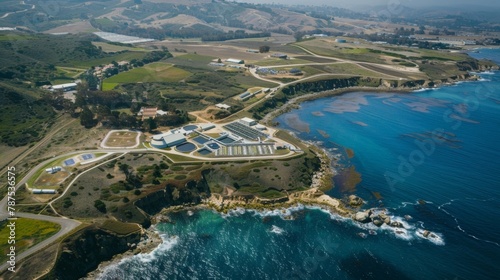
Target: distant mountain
(174, 15)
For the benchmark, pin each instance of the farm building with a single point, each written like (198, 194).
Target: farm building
(222, 106)
(295, 71)
(43, 191)
(279, 55)
(248, 121)
(236, 61)
(148, 112)
(53, 170)
(167, 140)
(245, 95)
(64, 87)
(216, 64)
(340, 40)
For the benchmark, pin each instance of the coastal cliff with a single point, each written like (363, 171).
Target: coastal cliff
(85, 250)
(190, 194)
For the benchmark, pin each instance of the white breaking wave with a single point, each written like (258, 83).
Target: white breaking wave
(408, 232)
(167, 244)
(277, 230)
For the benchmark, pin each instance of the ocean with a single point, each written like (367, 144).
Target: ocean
(430, 158)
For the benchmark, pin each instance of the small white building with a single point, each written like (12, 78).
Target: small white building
(248, 121)
(222, 106)
(236, 61)
(206, 126)
(162, 113)
(43, 191)
(64, 87)
(260, 127)
(53, 170)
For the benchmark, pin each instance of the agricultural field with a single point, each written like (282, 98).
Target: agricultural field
(278, 61)
(29, 232)
(222, 51)
(112, 48)
(157, 72)
(127, 56)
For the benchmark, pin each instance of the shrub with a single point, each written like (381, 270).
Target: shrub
(67, 202)
(101, 206)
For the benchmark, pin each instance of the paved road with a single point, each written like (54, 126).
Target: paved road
(67, 225)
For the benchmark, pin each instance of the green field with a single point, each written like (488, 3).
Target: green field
(196, 58)
(28, 233)
(278, 61)
(128, 56)
(107, 47)
(152, 73)
(109, 86)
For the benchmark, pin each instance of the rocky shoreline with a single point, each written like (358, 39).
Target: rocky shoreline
(386, 88)
(150, 240)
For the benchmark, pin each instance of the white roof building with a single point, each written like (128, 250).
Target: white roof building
(167, 140)
(222, 106)
(248, 121)
(233, 60)
(64, 87)
(206, 126)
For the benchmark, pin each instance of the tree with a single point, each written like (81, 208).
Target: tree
(101, 206)
(150, 125)
(87, 118)
(124, 168)
(264, 49)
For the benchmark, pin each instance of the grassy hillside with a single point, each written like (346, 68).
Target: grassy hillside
(24, 116)
(36, 57)
(150, 73)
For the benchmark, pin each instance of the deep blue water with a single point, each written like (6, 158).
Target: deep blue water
(439, 147)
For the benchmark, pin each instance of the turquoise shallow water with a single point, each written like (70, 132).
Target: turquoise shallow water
(437, 146)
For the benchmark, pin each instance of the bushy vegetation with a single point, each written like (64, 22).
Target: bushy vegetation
(24, 118)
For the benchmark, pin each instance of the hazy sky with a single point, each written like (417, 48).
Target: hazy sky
(411, 3)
